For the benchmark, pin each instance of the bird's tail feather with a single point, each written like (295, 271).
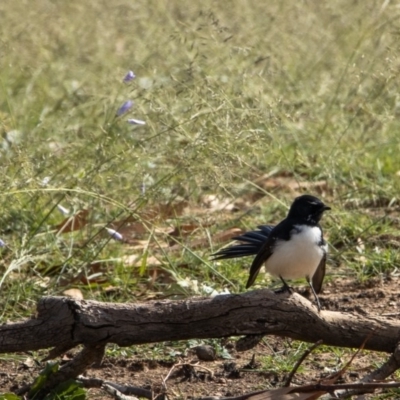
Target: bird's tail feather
(252, 243)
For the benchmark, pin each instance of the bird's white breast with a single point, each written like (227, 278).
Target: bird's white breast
(298, 257)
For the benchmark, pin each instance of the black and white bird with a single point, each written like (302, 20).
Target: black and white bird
(293, 249)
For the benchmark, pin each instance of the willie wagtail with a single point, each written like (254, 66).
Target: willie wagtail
(293, 249)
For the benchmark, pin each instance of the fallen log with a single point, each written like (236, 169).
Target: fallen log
(63, 323)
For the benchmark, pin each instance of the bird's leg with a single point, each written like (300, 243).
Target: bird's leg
(285, 287)
(315, 294)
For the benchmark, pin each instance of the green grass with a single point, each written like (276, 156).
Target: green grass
(305, 92)
(229, 94)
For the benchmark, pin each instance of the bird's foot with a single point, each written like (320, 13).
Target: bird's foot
(284, 289)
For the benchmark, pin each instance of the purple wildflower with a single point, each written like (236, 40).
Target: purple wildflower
(125, 107)
(2, 243)
(129, 77)
(114, 234)
(136, 121)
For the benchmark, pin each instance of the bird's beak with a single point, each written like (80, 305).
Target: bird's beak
(326, 208)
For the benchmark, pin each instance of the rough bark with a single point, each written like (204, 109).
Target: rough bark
(63, 322)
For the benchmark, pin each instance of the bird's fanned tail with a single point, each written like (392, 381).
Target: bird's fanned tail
(252, 242)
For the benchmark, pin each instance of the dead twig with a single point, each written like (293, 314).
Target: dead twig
(299, 362)
(386, 369)
(317, 389)
(390, 366)
(164, 382)
(344, 386)
(116, 393)
(71, 370)
(124, 389)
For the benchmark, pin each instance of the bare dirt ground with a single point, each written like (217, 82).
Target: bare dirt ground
(239, 375)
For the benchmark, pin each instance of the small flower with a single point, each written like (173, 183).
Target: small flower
(114, 234)
(136, 121)
(129, 77)
(125, 107)
(2, 243)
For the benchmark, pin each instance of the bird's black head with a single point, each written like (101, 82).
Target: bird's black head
(307, 208)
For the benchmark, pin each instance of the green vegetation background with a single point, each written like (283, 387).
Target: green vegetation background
(234, 94)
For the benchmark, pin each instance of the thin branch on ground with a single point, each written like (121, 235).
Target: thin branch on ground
(124, 389)
(116, 393)
(344, 386)
(299, 362)
(175, 366)
(312, 389)
(71, 370)
(386, 369)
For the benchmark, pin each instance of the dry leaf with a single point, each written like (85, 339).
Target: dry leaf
(111, 289)
(160, 275)
(227, 235)
(129, 227)
(184, 230)
(164, 211)
(74, 223)
(130, 260)
(291, 183)
(29, 363)
(74, 293)
(96, 267)
(217, 203)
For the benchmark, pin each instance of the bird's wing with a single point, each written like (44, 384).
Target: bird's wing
(253, 241)
(319, 275)
(261, 257)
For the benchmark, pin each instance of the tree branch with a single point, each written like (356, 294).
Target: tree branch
(64, 323)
